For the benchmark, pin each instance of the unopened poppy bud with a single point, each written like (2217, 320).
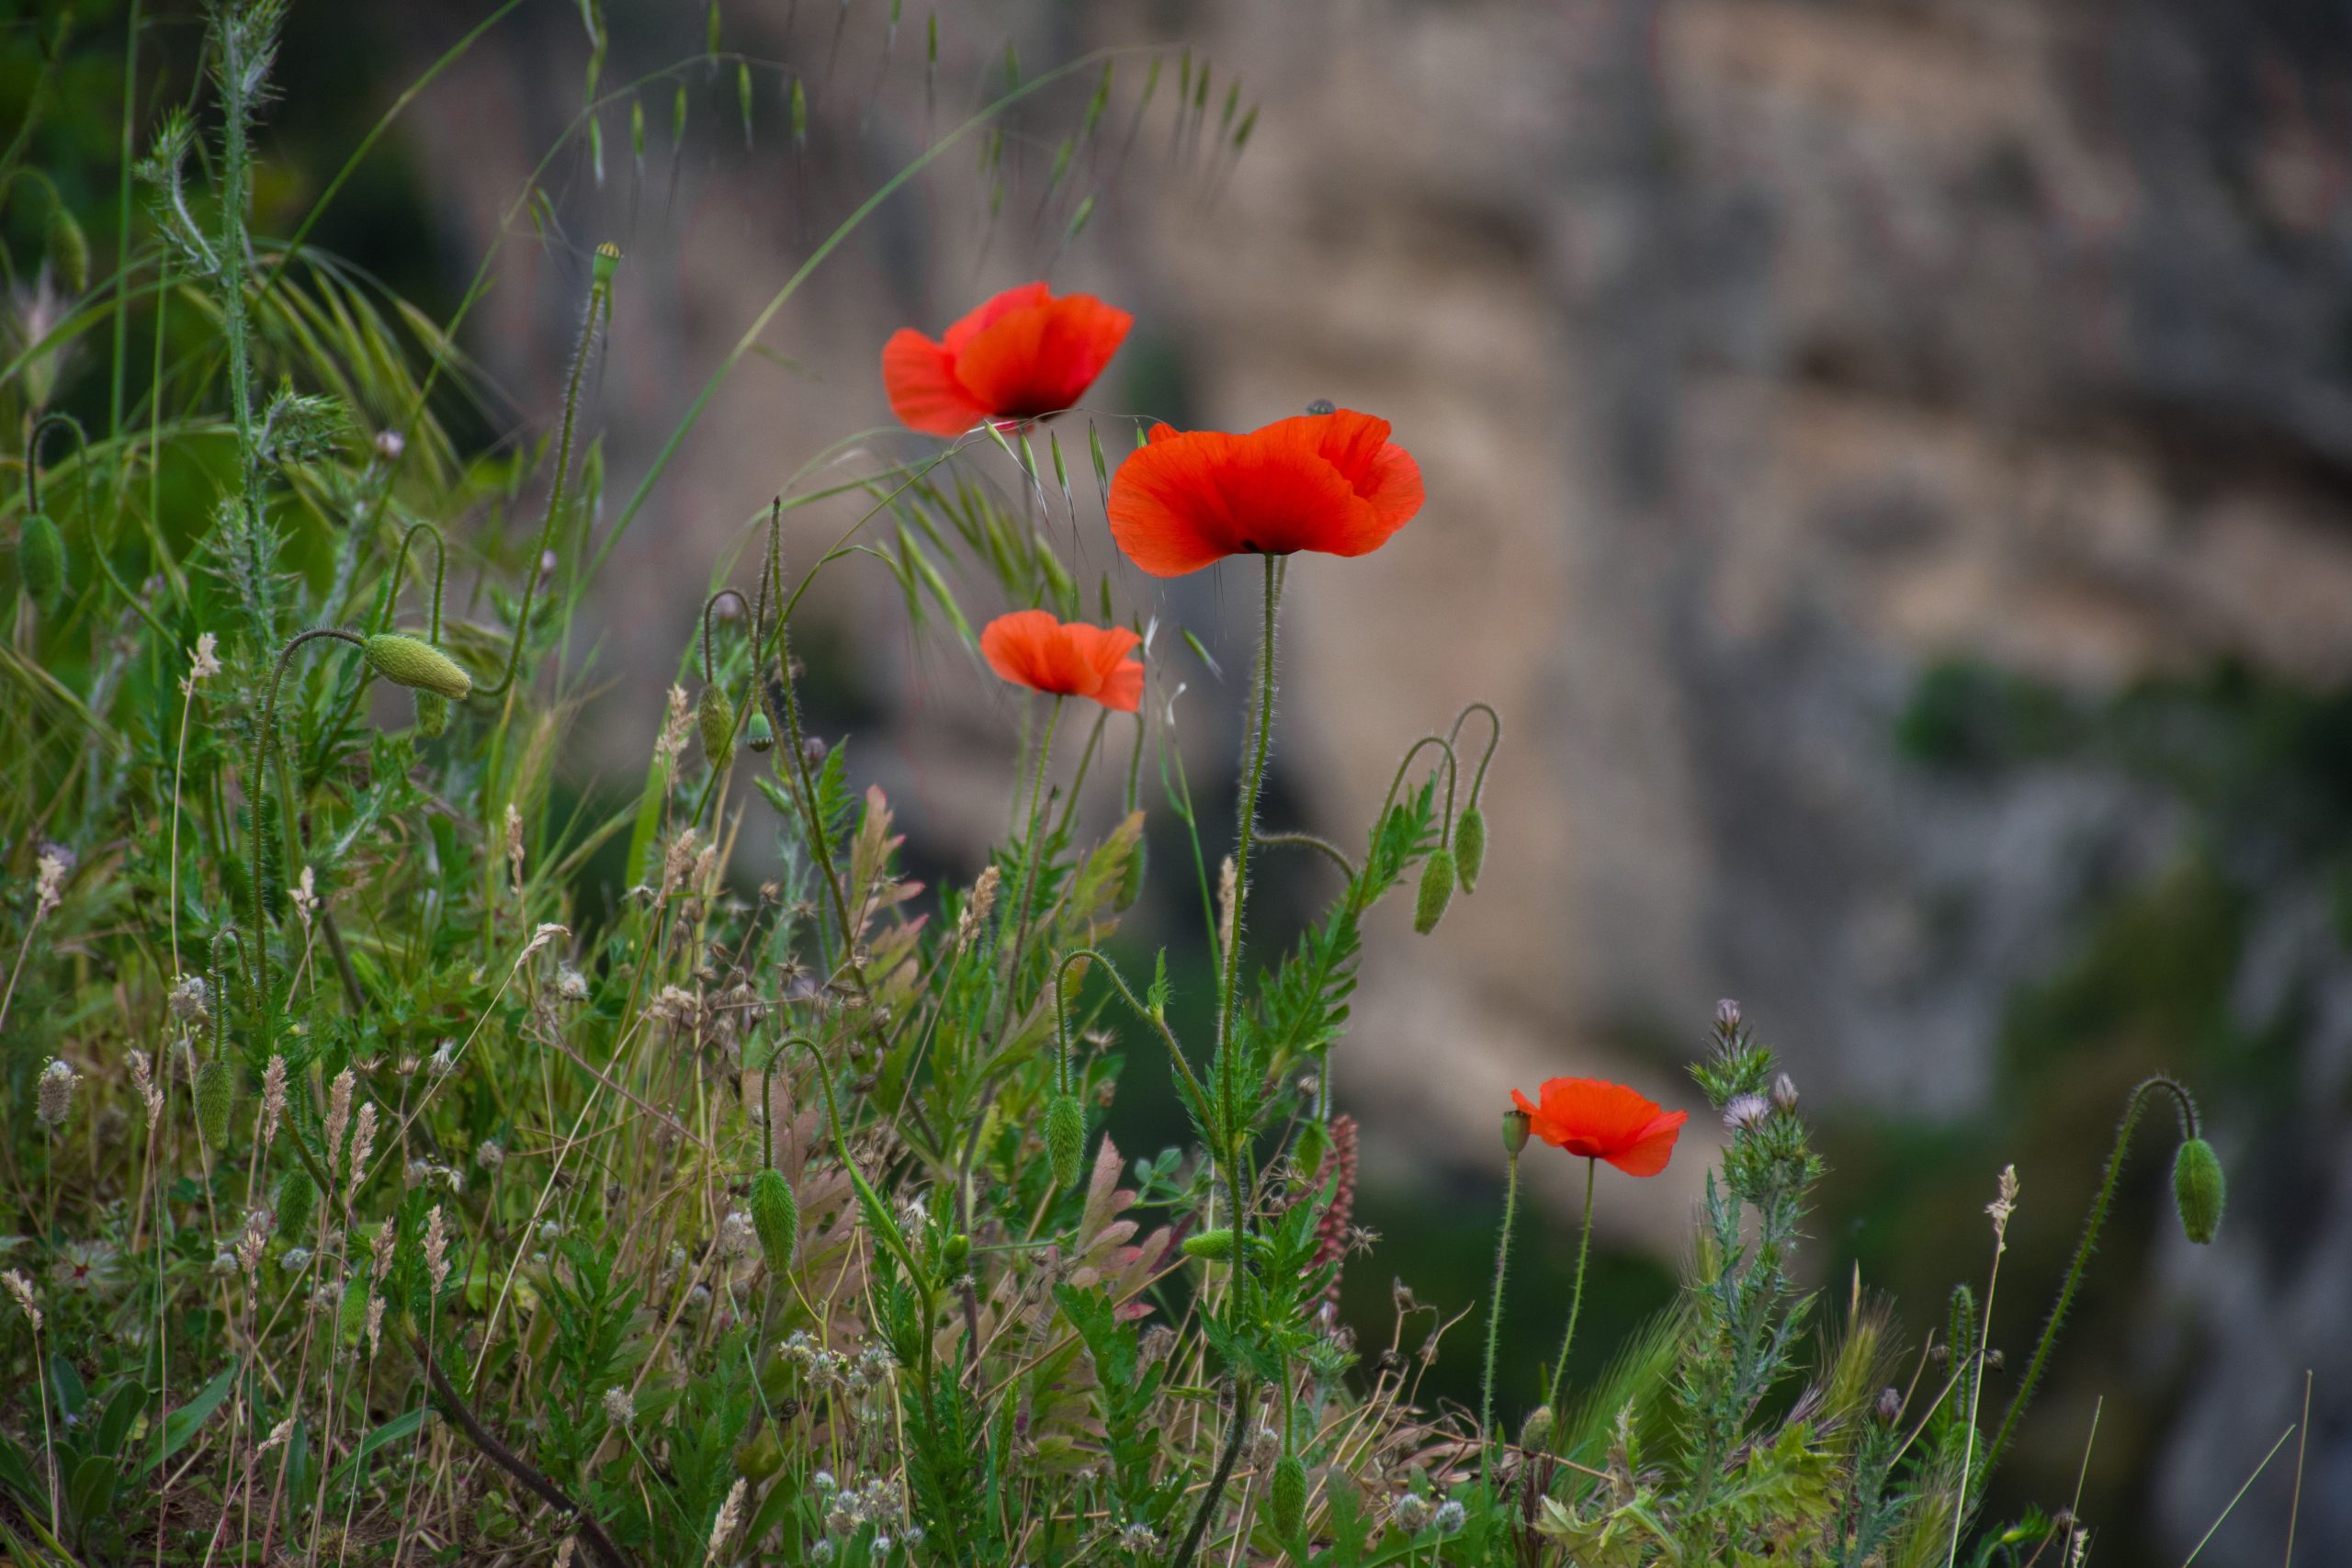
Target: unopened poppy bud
(956, 1252)
(1515, 1125)
(759, 733)
(775, 1216)
(1065, 1138)
(414, 662)
(1436, 891)
(1890, 1406)
(1784, 1094)
(1535, 1432)
(432, 713)
(1470, 847)
(40, 558)
(1211, 1245)
(68, 249)
(716, 717)
(216, 1097)
(1286, 1498)
(298, 1195)
(2197, 1190)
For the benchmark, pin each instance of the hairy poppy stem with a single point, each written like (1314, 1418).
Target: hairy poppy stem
(2091, 1227)
(1029, 862)
(257, 792)
(1576, 1302)
(1494, 1312)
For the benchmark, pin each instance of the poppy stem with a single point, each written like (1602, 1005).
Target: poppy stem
(1494, 1312)
(1253, 778)
(1029, 861)
(1576, 1301)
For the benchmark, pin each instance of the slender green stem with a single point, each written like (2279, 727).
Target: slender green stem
(1495, 1310)
(257, 796)
(1029, 863)
(2091, 1227)
(1576, 1302)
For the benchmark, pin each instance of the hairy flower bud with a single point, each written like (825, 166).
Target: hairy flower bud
(1211, 1245)
(412, 661)
(1286, 1497)
(2197, 1190)
(432, 713)
(1727, 1015)
(1065, 1139)
(1470, 847)
(1784, 1094)
(1435, 892)
(40, 558)
(216, 1097)
(775, 1215)
(716, 717)
(1535, 1432)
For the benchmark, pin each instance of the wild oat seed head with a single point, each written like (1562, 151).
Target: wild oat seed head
(338, 1111)
(203, 663)
(143, 1079)
(363, 1144)
(436, 1248)
(49, 881)
(273, 1099)
(22, 1289)
(2003, 1205)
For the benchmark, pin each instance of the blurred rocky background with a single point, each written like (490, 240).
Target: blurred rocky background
(1889, 460)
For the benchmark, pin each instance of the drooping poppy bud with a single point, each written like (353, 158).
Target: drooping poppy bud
(716, 717)
(414, 662)
(216, 1097)
(1470, 847)
(298, 1195)
(760, 735)
(1065, 1139)
(68, 249)
(1436, 891)
(1214, 1245)
(2197, 1190)
(775, 1217)
(432, 713)
(40, 558)
(1287, 1495)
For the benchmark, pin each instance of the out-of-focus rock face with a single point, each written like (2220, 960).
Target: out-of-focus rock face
(1757, 353)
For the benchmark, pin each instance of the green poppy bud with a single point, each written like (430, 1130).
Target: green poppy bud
(760, 735)
(1470, 847)
(69, 250)
(1130, 878)
(412, 661)
(1065, 1139)
(1435, 892)
(1287, 1495)
(2197, 1190)
(40, 558)
(432, 713)
(716, 717)
(1213, 1246)
(1535, 1432)
(775, 1216)
(216, 1097)
(956, 1252)
(298, 1195)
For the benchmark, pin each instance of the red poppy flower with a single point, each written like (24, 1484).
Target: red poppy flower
(1022, 355)
(1031, 649)
(1332, 482)
(1600, 1120)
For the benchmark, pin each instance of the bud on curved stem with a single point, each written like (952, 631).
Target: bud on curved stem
(2199, 1210)
(1470, 833)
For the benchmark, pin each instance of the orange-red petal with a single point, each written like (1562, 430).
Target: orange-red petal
(1330, 483)
(1029, 647)
(919, 376)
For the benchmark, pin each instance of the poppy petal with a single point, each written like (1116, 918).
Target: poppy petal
(1648, 1152)
(920, 376)
(978, 320)
(1041, 358)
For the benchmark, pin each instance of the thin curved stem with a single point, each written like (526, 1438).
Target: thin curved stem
(400, 571)
(1330, 850)
(1397, 782)
(1495, 738)
(2092, 1224)
(1576, 1302)
(709, 669)
(599, 293)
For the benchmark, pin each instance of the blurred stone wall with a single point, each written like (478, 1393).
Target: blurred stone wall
(1758, 353)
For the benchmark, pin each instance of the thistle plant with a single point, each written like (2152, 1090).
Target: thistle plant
(400, 1187)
